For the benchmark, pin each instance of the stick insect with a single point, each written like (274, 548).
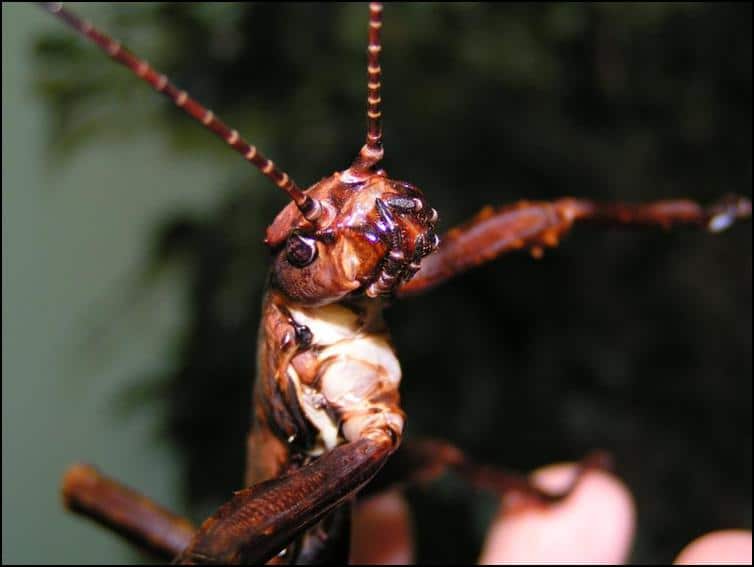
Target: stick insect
(389, 270)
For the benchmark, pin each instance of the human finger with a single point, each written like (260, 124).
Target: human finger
(730, 547)
(594, 524)
(381, 531)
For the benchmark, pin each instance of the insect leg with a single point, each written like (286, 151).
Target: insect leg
(156, 530)
(535, 225)
(261, 520)
(423, 460)
(128, 513)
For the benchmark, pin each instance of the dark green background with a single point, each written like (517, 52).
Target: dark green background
(639, 343)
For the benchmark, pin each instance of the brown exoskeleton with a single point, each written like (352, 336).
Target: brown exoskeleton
(326, 406)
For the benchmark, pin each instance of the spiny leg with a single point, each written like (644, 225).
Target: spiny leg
(250, 528)
(261, 520)
(133, 516)
(535, 225)
(422, 460)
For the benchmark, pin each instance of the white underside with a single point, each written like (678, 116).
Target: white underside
(355, 367)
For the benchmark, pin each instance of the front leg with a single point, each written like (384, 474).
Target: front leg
(253, 526)
(535, 225)
(260, 521)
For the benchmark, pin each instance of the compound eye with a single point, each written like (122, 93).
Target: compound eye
(300, 250)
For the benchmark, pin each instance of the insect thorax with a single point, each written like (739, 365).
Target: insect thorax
(326, 375)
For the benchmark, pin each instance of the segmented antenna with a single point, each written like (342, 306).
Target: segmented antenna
(310, 208)
(372, 151)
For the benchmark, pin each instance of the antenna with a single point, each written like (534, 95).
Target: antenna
(310, 208)
(371, 153)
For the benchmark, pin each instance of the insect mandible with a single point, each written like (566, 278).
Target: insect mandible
(395, 250)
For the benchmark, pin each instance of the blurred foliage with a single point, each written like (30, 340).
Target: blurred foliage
(636, 342)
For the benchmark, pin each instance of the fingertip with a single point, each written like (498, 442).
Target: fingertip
(730, 547)
(595, 524)
(381, 531)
